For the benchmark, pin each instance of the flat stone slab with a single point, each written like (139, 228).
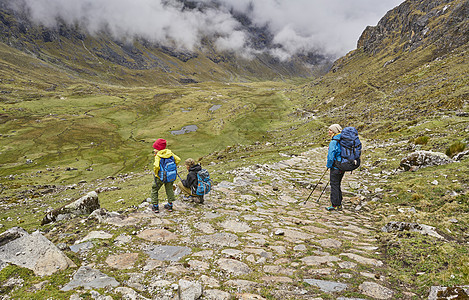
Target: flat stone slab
(157, 235)
(233, 266)
(95, 235)
(122, 261)
(327, 286)
(81, 247)
(318, 260)
(222, 239)
(315, 229)
(168, 253)
(205, 228)
(242, 284)
(277, 269)
(216, 295)
(363, 260)
(295, 235)
(233, 253)
(277, 279)
(90, 279)
(376, 291)
(330, 243)
(122, 221)
(235, 226)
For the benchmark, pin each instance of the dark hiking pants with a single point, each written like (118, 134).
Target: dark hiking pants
(336, 192)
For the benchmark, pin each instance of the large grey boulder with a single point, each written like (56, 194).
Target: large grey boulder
(32, 251)
(83, 206)
(422, 159)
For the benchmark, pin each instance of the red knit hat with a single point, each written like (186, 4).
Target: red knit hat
(160, 144)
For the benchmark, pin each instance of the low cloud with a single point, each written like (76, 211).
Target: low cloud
(331, 27)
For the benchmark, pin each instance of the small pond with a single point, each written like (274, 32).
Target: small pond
(185, 129)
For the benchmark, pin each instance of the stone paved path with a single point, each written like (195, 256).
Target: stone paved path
(253, 238)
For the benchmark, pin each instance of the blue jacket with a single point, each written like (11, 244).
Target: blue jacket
(334, 152)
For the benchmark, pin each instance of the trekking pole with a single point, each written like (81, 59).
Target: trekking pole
(315, 186)
(323, 191)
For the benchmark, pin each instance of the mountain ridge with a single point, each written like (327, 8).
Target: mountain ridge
(100, 57)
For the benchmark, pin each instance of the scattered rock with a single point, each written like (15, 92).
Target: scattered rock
(424, 159)
(401, 226)
(456, 292)
(461, 155)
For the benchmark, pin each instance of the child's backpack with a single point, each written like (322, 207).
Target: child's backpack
(350, 150)
(204, 184)
(168, 169)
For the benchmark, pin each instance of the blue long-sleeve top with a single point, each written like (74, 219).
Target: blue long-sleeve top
(333, 152)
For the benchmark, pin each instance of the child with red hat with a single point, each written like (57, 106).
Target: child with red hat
(162, 154)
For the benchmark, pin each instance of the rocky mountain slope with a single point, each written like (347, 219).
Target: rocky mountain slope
(412, 65)
(101, 58)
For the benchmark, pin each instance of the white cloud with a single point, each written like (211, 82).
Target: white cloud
(333, 26)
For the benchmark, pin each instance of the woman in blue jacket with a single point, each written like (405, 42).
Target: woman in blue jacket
(336, 175)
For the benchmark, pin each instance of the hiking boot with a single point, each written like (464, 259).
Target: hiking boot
(155, 208)
(201, 199)
(332, 207)
(169, 206)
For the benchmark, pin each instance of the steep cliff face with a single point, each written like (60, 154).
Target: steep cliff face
(413, 63)
(415, 23)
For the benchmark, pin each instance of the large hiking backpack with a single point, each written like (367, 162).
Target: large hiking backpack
(350, 150)
(204, 184)
(168, 169)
